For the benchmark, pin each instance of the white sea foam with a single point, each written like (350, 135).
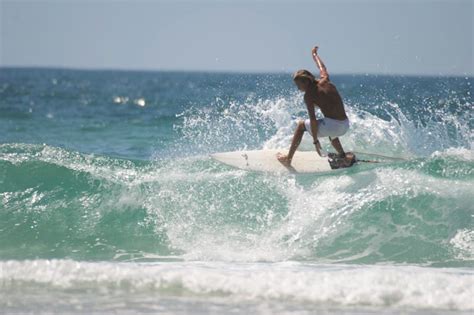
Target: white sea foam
(323, 285)
(462, 154)
(463, 242)
(321, 211)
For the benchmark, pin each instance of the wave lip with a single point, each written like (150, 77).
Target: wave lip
(396, 287)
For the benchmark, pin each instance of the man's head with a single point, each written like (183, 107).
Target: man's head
(303, 79)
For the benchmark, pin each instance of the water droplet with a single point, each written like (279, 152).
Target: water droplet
(140, 102)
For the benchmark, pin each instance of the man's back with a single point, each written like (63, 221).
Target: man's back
(327, 98)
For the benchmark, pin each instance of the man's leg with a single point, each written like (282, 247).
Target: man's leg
(338, 146)
(299, 132)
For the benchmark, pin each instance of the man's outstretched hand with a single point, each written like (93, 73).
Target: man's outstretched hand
(314, 51)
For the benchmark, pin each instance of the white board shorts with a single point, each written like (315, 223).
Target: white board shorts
(328, 127)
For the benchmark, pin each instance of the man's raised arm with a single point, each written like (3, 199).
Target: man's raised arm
(323, 73)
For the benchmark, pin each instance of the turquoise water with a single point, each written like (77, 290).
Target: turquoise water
(110, 202)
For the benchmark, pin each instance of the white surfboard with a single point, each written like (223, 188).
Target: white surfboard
(266, 161)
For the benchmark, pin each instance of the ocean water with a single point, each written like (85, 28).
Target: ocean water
(110, 204)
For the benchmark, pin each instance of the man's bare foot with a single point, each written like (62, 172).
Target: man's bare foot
(283, 158)
(348, 160)
(340, 162)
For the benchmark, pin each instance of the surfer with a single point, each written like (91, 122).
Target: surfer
(323, 94)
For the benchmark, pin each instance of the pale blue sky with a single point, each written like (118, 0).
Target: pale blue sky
(377, 36)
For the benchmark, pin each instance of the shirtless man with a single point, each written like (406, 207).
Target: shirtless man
(323, 94)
